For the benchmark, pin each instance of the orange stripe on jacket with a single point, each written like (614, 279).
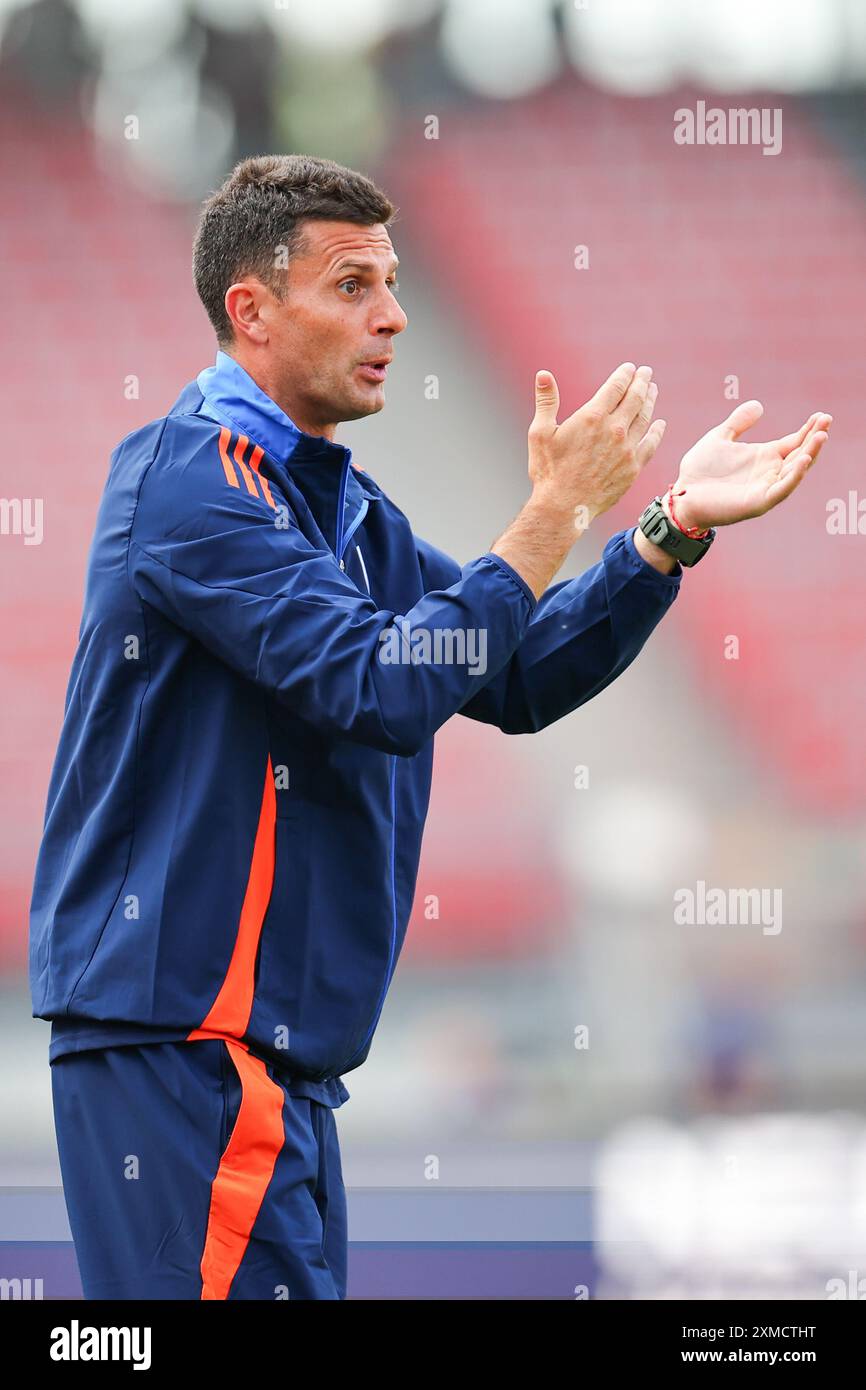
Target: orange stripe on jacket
(240, 450)
(230, 1011)
(243, 1175)
(228, 467)
(255, 460)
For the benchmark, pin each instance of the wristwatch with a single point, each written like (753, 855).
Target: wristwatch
(658, 528)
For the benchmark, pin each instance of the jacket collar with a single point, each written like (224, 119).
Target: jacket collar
(318, 468)
(231, 393)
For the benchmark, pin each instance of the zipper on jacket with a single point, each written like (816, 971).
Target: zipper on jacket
(355, 523)
(341, 502)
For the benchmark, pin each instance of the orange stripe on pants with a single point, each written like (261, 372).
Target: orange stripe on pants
(244, 1172)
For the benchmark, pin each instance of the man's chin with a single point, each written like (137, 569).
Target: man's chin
(361, 405)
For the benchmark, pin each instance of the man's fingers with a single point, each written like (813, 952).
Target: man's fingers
(795, 467)
(633, 401)
(741, 419)
(817, 421)
(812, 446)
(611, 392)
(650, 442)
(819, 433)
(640, 424)
(546, 400)
(793, 441)
(789, 479)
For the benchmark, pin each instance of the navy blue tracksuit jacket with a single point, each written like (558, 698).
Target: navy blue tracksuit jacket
(235, 811)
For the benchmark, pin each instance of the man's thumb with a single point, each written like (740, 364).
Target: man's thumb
(741, 418)
(546, 398)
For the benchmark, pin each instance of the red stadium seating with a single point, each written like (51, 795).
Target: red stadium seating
(708, 263)
(100, 275)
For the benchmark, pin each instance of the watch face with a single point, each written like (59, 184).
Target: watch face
(655, 525)
(658, 528)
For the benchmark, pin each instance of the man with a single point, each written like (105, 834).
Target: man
(267, 649)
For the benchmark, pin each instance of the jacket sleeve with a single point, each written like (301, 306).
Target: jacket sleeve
(241, 578)
(584, 632)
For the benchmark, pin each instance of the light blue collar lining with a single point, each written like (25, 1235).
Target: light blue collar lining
(233, 398)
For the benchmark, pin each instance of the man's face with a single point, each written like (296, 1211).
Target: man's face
(339, 317)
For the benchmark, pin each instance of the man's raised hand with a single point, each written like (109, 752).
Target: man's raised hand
(579, 468)
(723, 479)
(584, 465)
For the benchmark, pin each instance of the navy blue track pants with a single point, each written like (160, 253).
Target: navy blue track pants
(190, 1172)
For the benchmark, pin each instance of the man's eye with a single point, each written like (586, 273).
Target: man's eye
(348, 282)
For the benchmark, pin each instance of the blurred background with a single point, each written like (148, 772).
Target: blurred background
(572, 1091)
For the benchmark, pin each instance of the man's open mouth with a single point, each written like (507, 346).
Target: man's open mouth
(374, 371)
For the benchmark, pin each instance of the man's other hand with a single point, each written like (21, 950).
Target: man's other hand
(723, 479)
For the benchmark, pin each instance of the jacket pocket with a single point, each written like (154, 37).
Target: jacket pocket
(231, 1098)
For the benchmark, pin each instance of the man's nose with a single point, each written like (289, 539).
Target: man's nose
(390, 317)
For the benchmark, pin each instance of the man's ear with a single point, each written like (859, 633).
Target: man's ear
(243, 304)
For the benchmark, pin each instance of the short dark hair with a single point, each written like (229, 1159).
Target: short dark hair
(259, 209)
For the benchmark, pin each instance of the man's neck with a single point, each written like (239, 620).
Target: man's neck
(263, 379)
